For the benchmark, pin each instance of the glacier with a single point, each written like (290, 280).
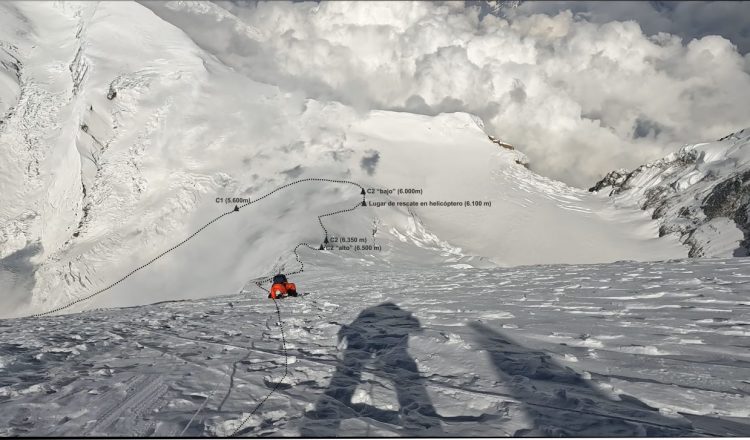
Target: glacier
(545, 310)
(109, 158)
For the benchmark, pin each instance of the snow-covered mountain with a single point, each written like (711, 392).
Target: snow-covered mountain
(121, 133)
(136, 162)
(700, 194)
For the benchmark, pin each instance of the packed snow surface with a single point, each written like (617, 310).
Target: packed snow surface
(121, 136)
(626, 349)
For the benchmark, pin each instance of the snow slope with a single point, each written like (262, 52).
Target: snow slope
(628, 349)
(118, 136)
(124, 132)
(700, 194)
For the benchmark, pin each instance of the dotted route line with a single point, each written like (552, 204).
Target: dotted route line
(281, 326)
(71, 304)
(191, 236)
(320, 217)
(286, 370)
(258, 282)
(296, 272)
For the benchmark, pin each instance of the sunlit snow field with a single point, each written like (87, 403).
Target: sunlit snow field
(124, 132)
(604, 350)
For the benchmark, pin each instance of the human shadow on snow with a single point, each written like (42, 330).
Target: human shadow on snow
(562, 403)
(377, 341)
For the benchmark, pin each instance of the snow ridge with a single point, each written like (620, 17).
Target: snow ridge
(701, 194)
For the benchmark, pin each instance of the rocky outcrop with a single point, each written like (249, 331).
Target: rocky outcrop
(687, 190)
(731, 199)
(613, 179)
(497, 141)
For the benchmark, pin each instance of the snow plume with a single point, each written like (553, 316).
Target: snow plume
(580, 97)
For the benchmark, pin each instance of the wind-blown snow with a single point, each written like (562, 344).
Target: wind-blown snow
(627, 349)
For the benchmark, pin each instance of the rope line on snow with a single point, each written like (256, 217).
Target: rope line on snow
(195, 414)
(541, 405)
(258, 282)
(191, 236)
(278, 384)
(281, 326)
(296, 272)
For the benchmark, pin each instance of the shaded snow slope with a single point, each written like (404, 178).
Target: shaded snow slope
(700, 194)
(532, 219)
(9, 80)
(125, 132)
(627, 349)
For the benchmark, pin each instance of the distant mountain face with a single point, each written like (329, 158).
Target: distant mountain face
(700, 193)
(119, 134)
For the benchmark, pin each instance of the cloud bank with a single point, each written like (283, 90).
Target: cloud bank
(686, 19)
(579, 92)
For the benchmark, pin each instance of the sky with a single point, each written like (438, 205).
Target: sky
(580, 87)
(686, 19)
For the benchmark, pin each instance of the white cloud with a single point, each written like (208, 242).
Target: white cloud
(579, 96)
(687, 19)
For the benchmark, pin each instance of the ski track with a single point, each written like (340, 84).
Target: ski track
(608, 350)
